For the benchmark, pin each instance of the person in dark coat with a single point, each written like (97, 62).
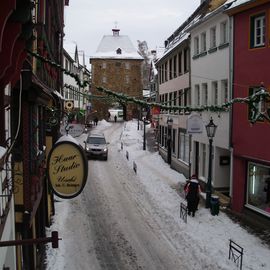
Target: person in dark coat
(192, 191)
(115, 118)
(96, 121)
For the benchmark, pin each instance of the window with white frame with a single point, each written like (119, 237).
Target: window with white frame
(224, 91)
(203, 42)
(257, 31)
(165, 72)
(187, 96)
(104, 79)
(180, 63)
(223, 32)
(127, 79)
(196, 46)
(197, 95)
(127, 65)
(213, 39)
(215, 93)
(175, 98)
(183, 145)
(186, 60)
(104, 65)
(76, 93)
(175, 66)
(170, 68)
(204, 94)
(258, 187)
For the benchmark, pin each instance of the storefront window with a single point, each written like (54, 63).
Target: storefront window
(259, 187)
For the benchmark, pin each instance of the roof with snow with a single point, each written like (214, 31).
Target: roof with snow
(117, 47)
(240, 2)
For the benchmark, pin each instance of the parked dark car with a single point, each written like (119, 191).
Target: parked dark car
(96, 146)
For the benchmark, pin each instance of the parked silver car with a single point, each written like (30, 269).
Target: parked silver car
(96, 146)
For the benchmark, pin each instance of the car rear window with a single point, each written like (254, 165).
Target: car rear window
(96, 140)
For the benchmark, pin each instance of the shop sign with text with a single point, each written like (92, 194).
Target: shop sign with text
(67, 169)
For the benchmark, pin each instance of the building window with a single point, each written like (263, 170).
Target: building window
(196, 46)
(223, 32)
(197, 95)
(258, 187)
(224, 91)
(183, 146)
(187, 97)
(127, 65)
(171, 69)
(186, 60)
(104, 65)
(174, 66)
(66, 65)
(215, 93)
(127, 79)
(180, 63)
(204, 94)
(203, 42)
(257, 31)
(104, 79)
(174, 98)
(213, 37)
(165, 72)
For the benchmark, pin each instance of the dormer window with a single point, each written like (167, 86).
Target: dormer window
(119, 51)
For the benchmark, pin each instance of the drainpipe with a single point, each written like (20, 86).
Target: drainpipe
(230, 85)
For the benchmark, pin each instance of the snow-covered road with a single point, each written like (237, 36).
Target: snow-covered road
(125, 221)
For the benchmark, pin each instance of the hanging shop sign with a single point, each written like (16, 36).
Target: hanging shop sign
(74, 130)
(194, 124)
(67, 168)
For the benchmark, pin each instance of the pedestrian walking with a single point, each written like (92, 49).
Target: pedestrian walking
(96, 121)
(193, 190)
(115, 118)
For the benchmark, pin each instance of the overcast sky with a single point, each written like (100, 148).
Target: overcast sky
(87, 21)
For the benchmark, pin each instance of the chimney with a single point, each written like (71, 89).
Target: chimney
(116, 32)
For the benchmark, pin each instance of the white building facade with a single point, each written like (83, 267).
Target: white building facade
(174, 90)
(210, 86)
(74, 93)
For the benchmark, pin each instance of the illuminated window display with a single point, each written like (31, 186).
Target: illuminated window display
(258, 188)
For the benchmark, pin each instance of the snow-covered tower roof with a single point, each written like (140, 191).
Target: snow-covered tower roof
(116, 46)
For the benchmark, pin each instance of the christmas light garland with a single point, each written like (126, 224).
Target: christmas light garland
(257, 102)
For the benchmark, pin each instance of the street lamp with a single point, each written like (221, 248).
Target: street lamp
(169, 140)
(138, 126)
(144, 123)
(211, 131)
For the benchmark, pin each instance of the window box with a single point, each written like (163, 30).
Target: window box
(211, 50)
(223, 45)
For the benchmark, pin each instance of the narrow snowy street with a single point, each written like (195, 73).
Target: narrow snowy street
(125, 220)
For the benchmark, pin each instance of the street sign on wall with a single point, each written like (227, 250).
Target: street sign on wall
(194, 124)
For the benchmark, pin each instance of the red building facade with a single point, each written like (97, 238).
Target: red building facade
(250, 142)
